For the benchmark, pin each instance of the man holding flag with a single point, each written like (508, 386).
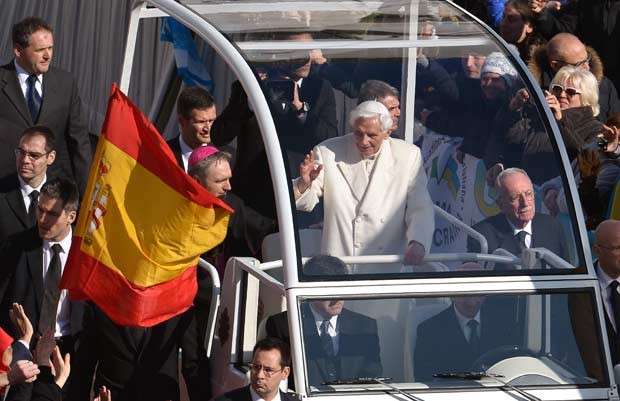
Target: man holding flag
(33, 263)
(136, 261)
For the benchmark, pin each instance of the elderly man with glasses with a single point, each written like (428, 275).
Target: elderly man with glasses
(518, 226)
(565, 49)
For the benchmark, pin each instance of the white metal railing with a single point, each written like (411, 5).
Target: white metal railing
(215, 301)
(484, 247)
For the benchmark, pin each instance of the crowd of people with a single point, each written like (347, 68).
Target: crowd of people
(367, 190)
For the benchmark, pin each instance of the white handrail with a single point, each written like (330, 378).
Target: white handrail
(435, 257)
(484, 246)
(216, 289)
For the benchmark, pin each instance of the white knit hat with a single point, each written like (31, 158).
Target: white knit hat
(498, 63)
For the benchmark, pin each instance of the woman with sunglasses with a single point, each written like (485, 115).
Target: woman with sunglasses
(573, 98)
(521, 139)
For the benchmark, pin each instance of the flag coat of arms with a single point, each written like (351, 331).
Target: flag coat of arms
(142, 225)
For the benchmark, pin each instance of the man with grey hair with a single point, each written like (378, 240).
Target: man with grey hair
(373, 188)
(385, 94)
(246, 227)
(518, 226)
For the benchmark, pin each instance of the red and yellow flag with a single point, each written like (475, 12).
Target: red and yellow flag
(142, 226)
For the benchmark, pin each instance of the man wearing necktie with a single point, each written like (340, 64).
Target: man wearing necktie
(32, 92)
(518, 226)
(196, 114)
(33, 264)
(34, 154)
(303, 103)
(340, 344)
(607, 249)
(455, 338)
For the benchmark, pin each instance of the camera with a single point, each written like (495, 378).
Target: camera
(602, 144)
(282, 88)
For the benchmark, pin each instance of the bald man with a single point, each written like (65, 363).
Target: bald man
(566, 49)
(607, 249)
(596, 22)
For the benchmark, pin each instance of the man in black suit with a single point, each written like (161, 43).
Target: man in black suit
(271, 364)
(340, 344)
(250, 174)
(303, 104)
(32, 92)
(138, 363)
(196, 114)
(33, 264)
(453, 339)
(518, 226)
(607, 249)
(33, 155)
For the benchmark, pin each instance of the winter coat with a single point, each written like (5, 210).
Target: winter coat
(607, 96)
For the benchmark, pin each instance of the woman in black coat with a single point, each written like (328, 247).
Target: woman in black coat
(520, 139)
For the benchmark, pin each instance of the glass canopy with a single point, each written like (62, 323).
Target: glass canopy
(454, 88)
(450, 87)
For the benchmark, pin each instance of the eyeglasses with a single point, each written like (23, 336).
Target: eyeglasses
(267, 370)
(528, 195)
(578, 63)
(557, 90)
(19, 152)
(609, 248)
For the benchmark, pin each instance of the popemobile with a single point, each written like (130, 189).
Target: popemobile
(408, 102)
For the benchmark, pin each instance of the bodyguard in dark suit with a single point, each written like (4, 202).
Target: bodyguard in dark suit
(138, 363)
(271, 363)
(196, 114)
(33, 155)
(453, 339)
(357, 354)
(32, 92)
(607, 249)
(303, 104)
(518, 226)
(33, 262)
(446, 343)
(250, 174)
(340, 344)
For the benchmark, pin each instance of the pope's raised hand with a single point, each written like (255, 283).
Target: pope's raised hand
(308, 172)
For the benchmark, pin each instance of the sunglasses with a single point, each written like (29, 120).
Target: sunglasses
(578, 63)
(557, 90)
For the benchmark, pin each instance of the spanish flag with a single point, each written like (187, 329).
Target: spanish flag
(142, 225)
